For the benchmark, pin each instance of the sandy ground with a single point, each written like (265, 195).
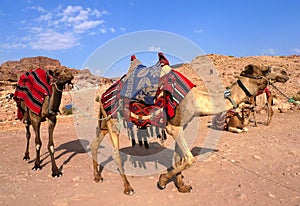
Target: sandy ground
(261, 167)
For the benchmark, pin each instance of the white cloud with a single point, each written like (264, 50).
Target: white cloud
(13, 45)
(87, 25)
(296, 50)
(60, 28)
(51, 40)
(103, 30)
(112, 30)
(71, 10)
(269, 52)
(198, 31)
(123, 29)
(155, 48)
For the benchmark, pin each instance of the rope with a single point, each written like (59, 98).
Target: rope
(290, 99)
(57, 87)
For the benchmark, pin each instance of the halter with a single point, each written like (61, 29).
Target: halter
(55, 80)
(55, 84)
(258, 77)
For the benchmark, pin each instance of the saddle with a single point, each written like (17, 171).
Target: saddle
(147, 95)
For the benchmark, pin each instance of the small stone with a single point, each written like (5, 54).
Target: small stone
(271, 195)
(256, 157)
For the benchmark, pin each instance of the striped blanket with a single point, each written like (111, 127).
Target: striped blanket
(148, 99)
(32, 88)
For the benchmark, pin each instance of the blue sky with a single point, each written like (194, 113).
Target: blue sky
(71, 30)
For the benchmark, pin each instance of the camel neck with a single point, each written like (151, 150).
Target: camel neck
(55, 98)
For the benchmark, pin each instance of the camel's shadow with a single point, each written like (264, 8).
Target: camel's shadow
(71, 148)
(140, 157)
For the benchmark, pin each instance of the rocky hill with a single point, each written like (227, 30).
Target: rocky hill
(10, 70)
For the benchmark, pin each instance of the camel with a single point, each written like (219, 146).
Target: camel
(238, 119)
(195, 103)
(49, 110)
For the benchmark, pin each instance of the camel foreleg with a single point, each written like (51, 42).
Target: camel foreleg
(270, 110)
(114, 135)
(183, 159)
(253, 109)
(94, 148)
(38, 144)
(28, 135)
(51, 125)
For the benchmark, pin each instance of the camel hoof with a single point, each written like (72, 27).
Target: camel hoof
(185, 189)
(98, 179)
(160, 186)
(56, 174)
(162, 182)
(26, 158)
(37, 167)
(129, 192)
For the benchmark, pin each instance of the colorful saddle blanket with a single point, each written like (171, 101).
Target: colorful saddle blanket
(32, 88)
(148, 99)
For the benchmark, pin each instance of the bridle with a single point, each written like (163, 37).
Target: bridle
(259, 77)
(55, 80)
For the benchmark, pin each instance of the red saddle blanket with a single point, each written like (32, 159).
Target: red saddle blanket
(32, 88)
(171, 90)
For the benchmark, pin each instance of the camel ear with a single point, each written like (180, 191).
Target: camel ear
(248, 70)
(265, 70)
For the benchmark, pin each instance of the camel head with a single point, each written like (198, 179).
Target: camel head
(271, 73)
(62, 76)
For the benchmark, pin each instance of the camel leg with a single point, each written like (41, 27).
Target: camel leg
(235, 130)
(186, 161)
(116, 156)
(94, 148)
(114, 135)
(26, 156)
(253, 108)
(270, 110)
(51, 125)
(179, 182)
(38, 143)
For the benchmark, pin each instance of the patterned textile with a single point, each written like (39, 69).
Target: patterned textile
(148, 99)
(111, 97)
(219, 121)
(32, 88)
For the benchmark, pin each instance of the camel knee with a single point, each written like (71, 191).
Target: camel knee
(51, 149)
(38, 146)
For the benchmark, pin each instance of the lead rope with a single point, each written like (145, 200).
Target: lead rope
(290, 99)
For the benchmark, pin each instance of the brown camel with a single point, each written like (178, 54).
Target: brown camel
(60, 77)
(238, 119)
(195, 103)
